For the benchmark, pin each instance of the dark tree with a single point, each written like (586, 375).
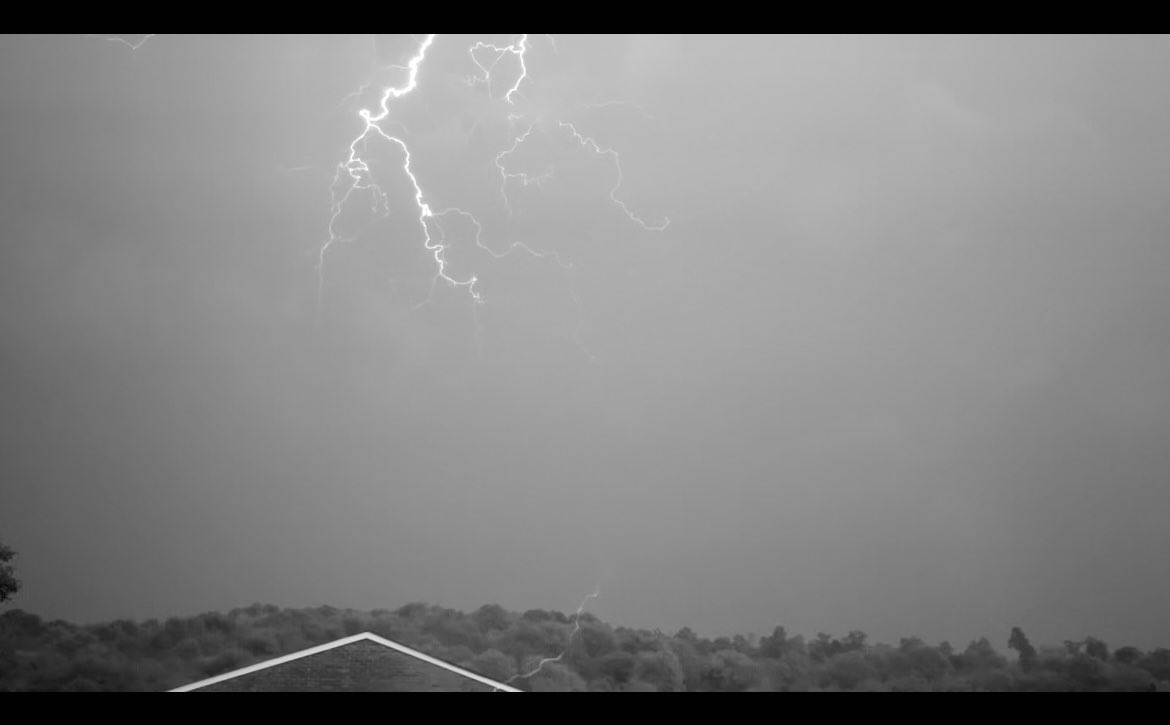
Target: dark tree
(1019, 642)
(775, 644)
(1096, 648)
(9, 584)
(491, 617)
(854, 641)
(1157, 663)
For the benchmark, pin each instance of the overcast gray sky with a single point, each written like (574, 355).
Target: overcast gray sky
(900, 362)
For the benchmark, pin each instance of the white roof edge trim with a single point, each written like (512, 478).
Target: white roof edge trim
(341, 643)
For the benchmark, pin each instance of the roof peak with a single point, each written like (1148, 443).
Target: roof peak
(368, 636)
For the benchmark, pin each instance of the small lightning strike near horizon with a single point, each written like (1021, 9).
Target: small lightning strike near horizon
(576, 628)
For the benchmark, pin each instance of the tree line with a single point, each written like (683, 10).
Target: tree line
(153, 655)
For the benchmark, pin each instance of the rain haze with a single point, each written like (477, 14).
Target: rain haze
(872, 334)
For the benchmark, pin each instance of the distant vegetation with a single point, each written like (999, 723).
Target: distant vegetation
(153, 655)
(9, 584)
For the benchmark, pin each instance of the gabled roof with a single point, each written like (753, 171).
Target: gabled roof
(341, 643)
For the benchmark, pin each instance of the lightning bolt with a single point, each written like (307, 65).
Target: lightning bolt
(359, 172)
(524, 178)
(589, 143)
(119, 39)
(576, 628)
(517, 49)
(441, 245)
(354, 176)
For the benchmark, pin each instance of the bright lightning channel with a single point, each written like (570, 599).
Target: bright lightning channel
(589, 143)
(119, 39)
(359, 174)
(517, 49)
(576, 628)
